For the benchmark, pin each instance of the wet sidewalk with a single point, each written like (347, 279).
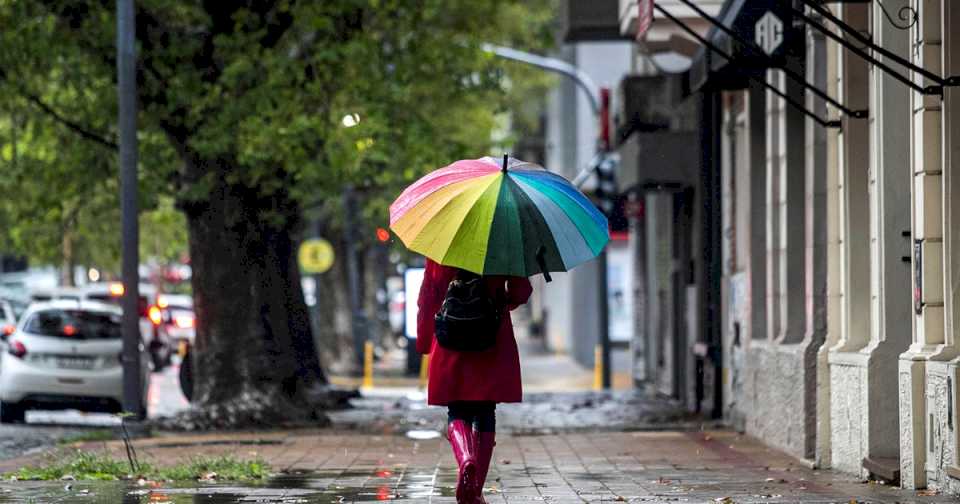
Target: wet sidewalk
(327, 467)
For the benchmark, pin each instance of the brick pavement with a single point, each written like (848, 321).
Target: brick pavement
(668, 466)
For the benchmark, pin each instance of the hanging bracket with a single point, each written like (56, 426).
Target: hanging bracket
(800, 79)
(826, 123)
(933, 89)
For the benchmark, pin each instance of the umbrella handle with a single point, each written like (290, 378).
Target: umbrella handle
(504, 168)
(543, 263)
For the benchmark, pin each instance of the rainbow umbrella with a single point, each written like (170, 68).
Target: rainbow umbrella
(511, 218)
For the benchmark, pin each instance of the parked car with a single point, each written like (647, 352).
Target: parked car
(179, 322)
(158, 343)
(65, 355)
(177, 319)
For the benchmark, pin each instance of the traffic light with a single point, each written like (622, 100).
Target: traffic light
(606, 192)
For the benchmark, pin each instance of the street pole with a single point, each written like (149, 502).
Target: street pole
(358, 320)
(127, 121)
(599, 100)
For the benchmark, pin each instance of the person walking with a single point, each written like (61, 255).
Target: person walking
(470, 380)
(485, 227)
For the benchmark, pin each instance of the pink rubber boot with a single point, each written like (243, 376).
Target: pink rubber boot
(461, 440)
(485, 441)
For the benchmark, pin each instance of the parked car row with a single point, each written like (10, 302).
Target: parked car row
(63, 350)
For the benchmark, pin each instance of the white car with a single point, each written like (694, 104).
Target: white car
(65, 355)
(157, 342)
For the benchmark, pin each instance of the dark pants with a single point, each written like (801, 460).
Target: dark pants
(481, 414)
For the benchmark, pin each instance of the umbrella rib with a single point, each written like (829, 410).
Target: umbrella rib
(559, 184)
(576, 257)
(575, 204)
(435, 237)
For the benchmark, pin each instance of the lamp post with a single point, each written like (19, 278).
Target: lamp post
(127, 121)
(599, 104)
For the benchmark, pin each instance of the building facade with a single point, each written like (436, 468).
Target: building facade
(827, 212)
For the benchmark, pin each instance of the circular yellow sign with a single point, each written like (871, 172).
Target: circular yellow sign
(316, 256)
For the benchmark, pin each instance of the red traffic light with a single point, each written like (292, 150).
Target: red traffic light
(383, 235)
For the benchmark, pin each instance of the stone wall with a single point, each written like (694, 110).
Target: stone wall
(942, 442)
(779, 411)
(848, 417)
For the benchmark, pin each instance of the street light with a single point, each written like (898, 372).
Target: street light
(351, 120)
(599, 103)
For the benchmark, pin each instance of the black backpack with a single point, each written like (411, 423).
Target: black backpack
(468, 320)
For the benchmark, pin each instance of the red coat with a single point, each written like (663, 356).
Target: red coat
(491, 375)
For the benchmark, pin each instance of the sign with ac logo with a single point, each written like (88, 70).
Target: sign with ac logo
(768, 32)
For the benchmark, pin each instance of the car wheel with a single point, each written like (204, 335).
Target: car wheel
(11, 412)
(186, 376)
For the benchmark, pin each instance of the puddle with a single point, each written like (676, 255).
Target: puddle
(421, 434)
(297, 487)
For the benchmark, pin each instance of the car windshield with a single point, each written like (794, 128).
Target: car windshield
(74, 324)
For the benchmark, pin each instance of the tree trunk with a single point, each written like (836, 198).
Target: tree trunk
(255, 357)
(66, 262)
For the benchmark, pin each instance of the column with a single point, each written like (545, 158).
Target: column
(847, 365)
(756, 123)
(951, 242)
(889, 191)
(926, 163)
(815, 257)
(834, 297)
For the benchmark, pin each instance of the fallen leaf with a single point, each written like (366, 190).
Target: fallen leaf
(928, 492)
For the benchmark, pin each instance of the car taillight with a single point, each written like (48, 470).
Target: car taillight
(116, 289)
(69, 330)
(183, 321)
(156, 316)
(17, 349)
(8, 329)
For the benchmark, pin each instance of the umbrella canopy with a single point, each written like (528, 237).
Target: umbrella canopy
(499, 218)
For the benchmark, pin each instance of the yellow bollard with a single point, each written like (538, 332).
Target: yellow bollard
(598, 368)
(368, 365)
(424, 370)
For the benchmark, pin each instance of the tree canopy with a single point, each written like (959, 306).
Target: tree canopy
(250, 112)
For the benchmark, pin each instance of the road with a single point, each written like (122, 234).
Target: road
(47, 428)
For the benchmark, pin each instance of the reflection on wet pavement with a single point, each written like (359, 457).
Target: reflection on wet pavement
(298, 487)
